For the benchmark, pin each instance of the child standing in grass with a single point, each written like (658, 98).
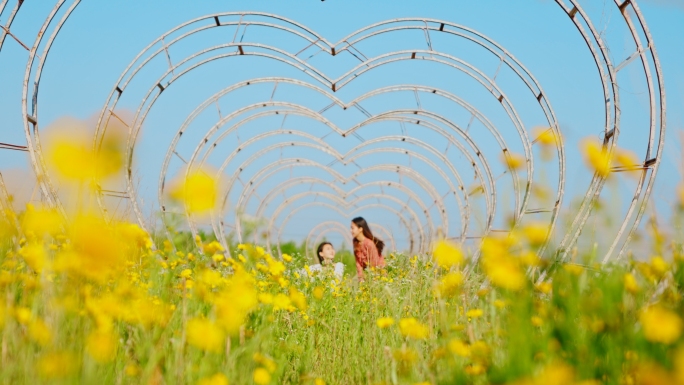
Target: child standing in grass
(367, 248)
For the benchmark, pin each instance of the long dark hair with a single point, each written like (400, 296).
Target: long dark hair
(360, 222)
(320, 250)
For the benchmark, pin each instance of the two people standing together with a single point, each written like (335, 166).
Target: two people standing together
(367, 250)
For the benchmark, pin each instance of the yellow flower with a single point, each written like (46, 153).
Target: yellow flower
(35, 256)
(281, 302)
(447, 254)
(212, 248)
(266, 298)
(459, 348)
(475, 369)
(205, 335)
(597, 158)
(474, 313)
(537, 321)
(659, 266)
(216, 379)
(411, 328)
(512, 160)
(626, 159)
(529, 258)
(660, 324)
(186, 273)
(74, 159)
(197, 192)
(631, 284)
(264, 361)
(276, 268)
(544, 136)
(405, 356)
(573, 269)
(504, 271)
(97, 249)
(132, 369)
(544, 287)
(57, 365)
(318, 292)
(319, 381)
(23, 315)
(384, 322)
(261, 376)
(449, 284)
(536, 233)
(287, 258)
(40, 332)
(556, 373)
(41, 221)
(102, 345)
(298, 299)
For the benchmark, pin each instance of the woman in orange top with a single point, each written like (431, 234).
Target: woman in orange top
(367, 248)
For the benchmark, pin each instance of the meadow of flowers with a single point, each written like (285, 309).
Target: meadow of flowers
(88, 300)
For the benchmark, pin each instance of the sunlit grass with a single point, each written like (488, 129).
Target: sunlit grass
(86, 300)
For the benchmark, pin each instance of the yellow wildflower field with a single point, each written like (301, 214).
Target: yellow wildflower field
(89, 300)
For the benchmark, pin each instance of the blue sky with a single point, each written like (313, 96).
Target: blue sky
(101, 39)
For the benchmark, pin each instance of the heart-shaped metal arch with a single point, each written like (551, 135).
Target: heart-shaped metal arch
(172, 149)
(644, 51)
(500, 96)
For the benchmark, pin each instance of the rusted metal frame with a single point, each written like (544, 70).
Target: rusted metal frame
(265, 200)
(140, 116)
(499, 51)
(198, 148)
(204, 141)
(491, 197)
(329, 151)
(662, 117)
(597, 182)
(10, 19)
(123, 84)
(379, 140)
(493, 88)
(32, 136)
(376, 229)
(389, 116)
(266, 172)
(15, 147)
(219, 172)
(412, 197)
(481, 117)
(118, 89)
(154, 94)
(341, 212)
(339, 198)
(342, 193)
(376, 226)
(211, 101)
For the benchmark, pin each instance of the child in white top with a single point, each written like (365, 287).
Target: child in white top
(326, 254)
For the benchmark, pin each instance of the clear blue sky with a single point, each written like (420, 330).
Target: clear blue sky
(101, 39)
